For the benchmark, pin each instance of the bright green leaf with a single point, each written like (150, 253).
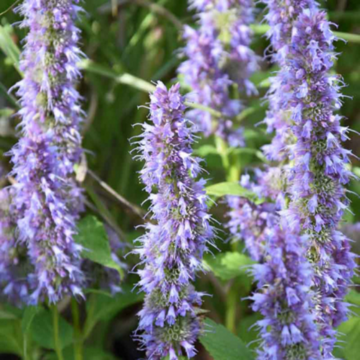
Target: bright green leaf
(229, 265)
(42, 330)
(93, 237)
(8, 46)
(222, 344)
(229, 188)
(350, 344)
(206, 150)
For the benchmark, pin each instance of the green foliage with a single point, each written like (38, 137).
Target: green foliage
(101, 307)
(126, 52)
(229, 265)
(92, 236)
(42, 330)
(222, 344)
(229, 188)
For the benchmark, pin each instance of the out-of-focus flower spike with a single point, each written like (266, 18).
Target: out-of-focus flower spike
(218, 57)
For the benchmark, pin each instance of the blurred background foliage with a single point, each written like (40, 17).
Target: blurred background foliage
(142, 38)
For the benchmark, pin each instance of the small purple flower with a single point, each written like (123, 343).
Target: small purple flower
(46, 197)
(219, 56)
(172, 248)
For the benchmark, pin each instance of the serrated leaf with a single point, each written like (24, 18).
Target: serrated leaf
(229, 265)
(42, 330)
(222, 344)
(93, 237)
(229, 188)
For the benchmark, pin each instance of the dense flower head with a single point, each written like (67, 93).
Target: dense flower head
(309, 95)
(285, 299)
(280, 17)
(218, 58)
(46, 196)
(173, 245)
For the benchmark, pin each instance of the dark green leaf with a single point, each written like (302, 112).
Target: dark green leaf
(222, 344)
(102, 307)
(42, 330)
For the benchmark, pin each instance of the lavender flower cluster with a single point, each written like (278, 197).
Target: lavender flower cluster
(172, 248)
(303, 98)
(285, 298)
(218, 59)
(46, 197)
(319, 172)
(305, 263)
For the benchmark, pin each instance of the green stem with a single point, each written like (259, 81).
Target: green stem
(231, 307)
(78, 346)
(57, 342)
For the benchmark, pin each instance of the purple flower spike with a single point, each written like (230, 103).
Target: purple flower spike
(306, 96)
(46, 196)
(172, 248)
(285, 299)
(219, 56)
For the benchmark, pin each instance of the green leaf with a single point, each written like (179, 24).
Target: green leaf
(125, 79)
(222, 344)
(101, 307)
(229, 188)
(93, 237)
(247, 151)
(8, 46)
(29, 314)
(11, 340)
(205, 150)
(229, 265)
(349, 342)
(5, 315)
(42, 330)
(353, 297)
